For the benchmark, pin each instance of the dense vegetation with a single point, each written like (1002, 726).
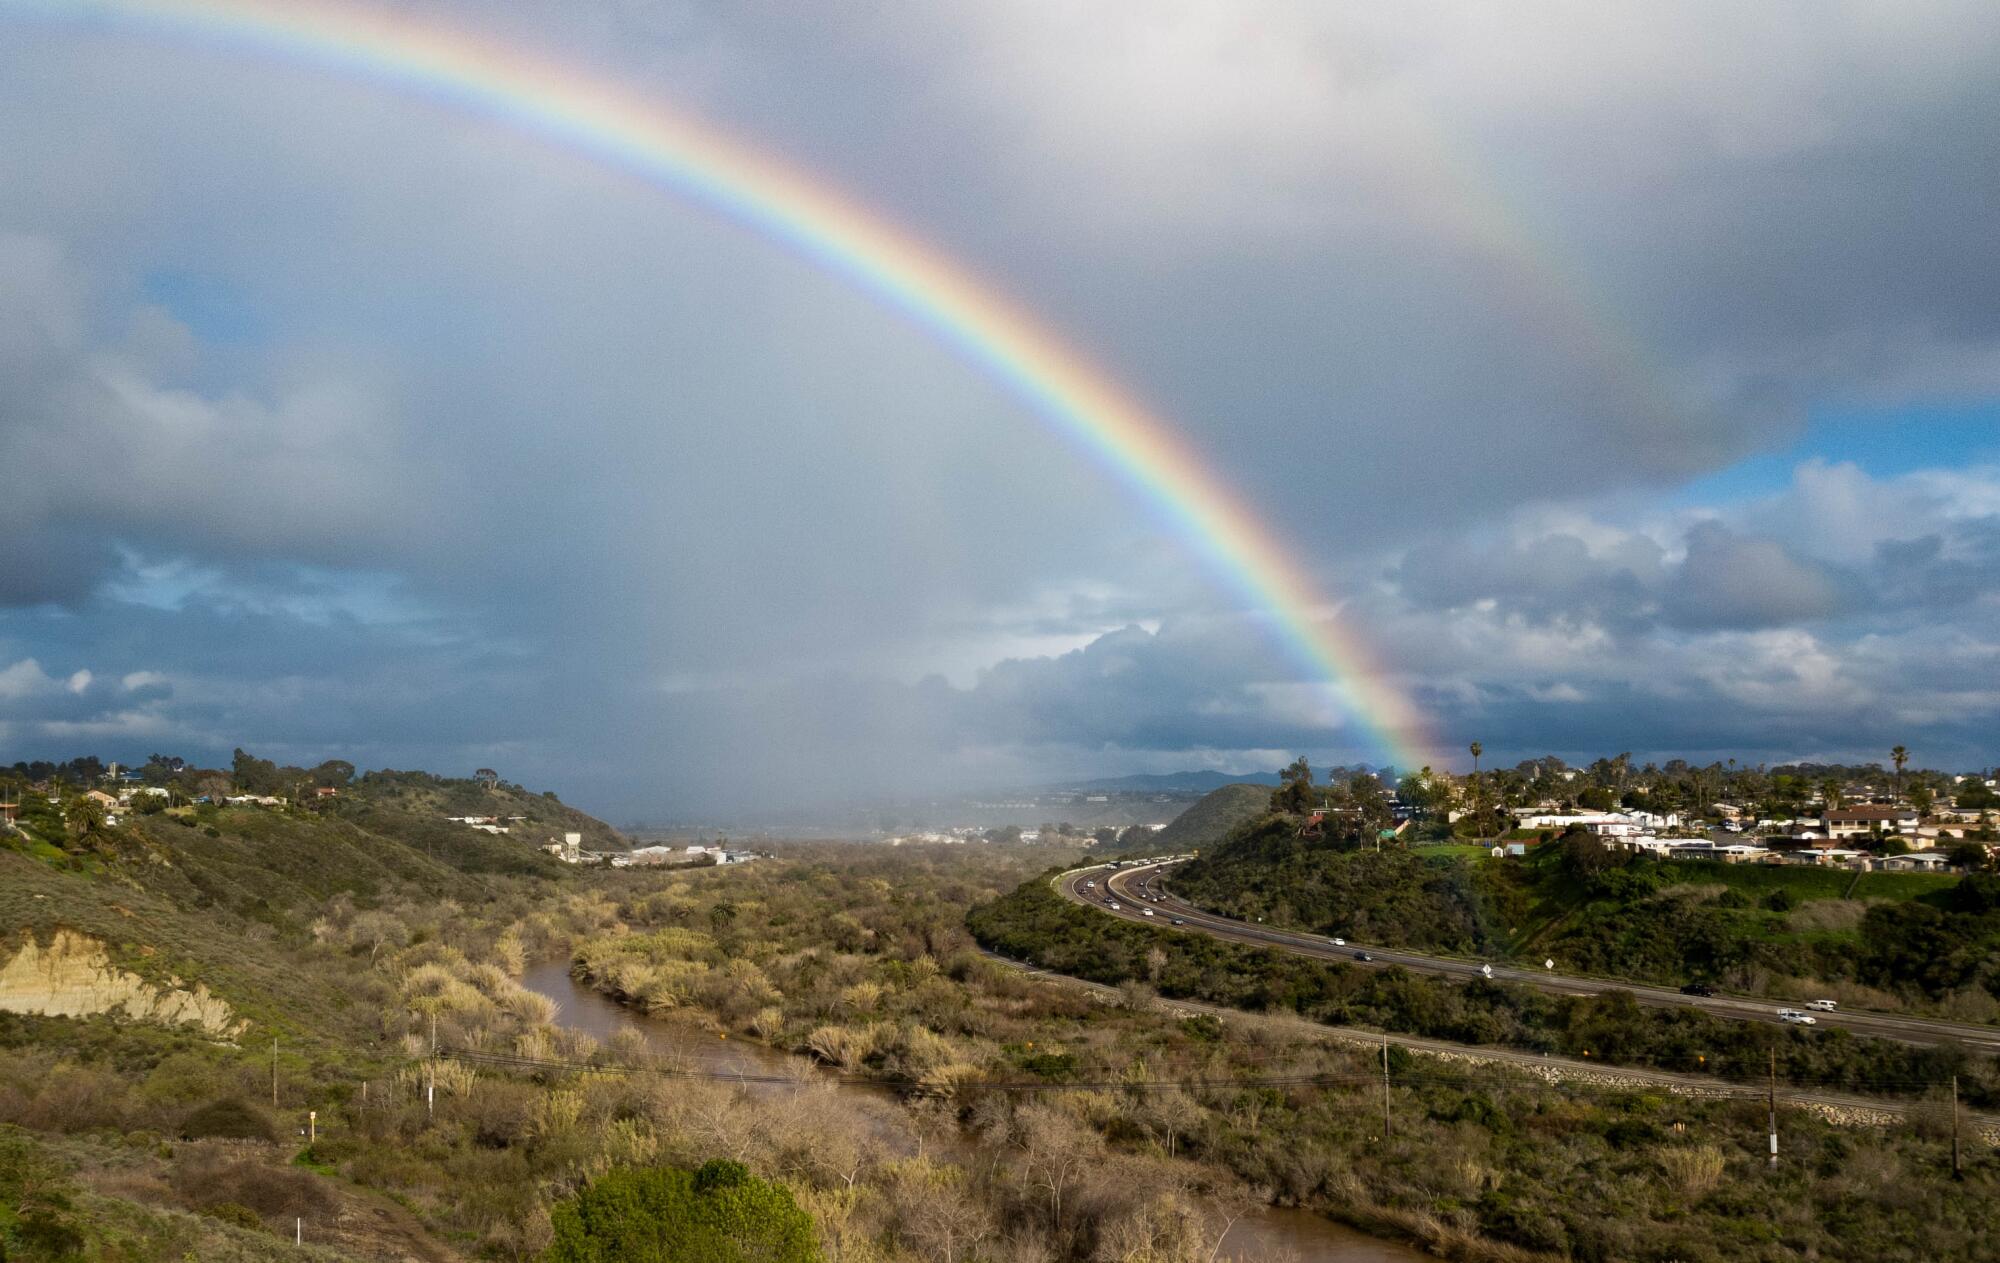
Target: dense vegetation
(1164, 1121)
(718, 1214)
(1025, 1118)
(1915, 940)
(1392, 896)
(1034, 923)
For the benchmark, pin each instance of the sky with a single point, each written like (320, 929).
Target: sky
(1626, 378)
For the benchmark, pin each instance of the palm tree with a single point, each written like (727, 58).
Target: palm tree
(1899, 756)
(1477, 750)
(85, 815)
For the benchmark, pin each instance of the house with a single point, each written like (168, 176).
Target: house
(102, 799)
(1854, 822)
(1828, 857)
(1915, 862)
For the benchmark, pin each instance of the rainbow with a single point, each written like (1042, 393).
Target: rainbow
(576, 113)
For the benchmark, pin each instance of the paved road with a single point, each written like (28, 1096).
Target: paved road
(1840, 1106)
(1131, 886)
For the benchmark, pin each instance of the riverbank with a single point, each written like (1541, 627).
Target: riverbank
(1258, 1234)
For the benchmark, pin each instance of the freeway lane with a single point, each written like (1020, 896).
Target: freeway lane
(1124, 884)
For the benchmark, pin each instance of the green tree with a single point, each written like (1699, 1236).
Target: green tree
(717, 1214)
(1295, 789)
(1970, 856)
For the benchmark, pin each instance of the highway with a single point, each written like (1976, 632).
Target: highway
(1842, 1107)
(1133, 888)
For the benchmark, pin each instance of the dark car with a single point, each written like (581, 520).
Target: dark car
(1363, 956)
(1697, 988)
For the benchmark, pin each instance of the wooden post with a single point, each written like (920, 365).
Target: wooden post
(274, 1072)
(1385, 1087)
(1957, 1172)
(312, 1126)
(1774, 1108)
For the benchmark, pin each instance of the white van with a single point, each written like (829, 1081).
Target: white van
(1824, 1006)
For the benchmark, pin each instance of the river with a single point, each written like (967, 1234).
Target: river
(1274, 1232)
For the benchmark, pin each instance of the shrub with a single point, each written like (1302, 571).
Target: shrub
(235, 1214)
(228, 1118)
(719, 1213)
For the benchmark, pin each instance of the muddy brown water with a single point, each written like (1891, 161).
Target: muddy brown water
(1274, 1232)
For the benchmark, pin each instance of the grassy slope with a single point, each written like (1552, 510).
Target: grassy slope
(227, 910)
(1212, 818)
(417, 794)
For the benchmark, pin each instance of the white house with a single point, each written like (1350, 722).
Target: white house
(1852, 822)
(1916, 862)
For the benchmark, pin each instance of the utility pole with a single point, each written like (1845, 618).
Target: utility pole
(1385, 1087)
(434, 1032)
(274, 1072)
(312, 1127)
(1774, 1109)
(1957, 1172)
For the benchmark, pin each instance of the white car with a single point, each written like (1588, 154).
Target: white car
(1340, 942)
(1115, 908)
(1797, 1017)
(1824, 1006)
(1149, 912)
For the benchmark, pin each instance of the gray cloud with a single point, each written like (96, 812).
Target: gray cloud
(360, 428)
(1728, 580)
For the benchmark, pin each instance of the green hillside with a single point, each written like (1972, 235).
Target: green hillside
(1395, 898)
(1212, 817)
(222, 968)
(1924, 941)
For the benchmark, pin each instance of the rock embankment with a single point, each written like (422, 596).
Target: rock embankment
(73, 976)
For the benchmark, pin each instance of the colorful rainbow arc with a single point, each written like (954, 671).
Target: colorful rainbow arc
(643, 139)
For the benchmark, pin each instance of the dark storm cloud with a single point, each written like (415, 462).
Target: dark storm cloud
(353, 426)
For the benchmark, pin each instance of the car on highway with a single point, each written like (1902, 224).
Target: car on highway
(1797, 1017)
(1114, 907)
(1338, 942)
(1824, 1006)
(1149, 912)
(1697, 988)
(1178, 921)
(1090, 885)
(1363, 956)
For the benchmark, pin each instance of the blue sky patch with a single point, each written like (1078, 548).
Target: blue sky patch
(1883, 442)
